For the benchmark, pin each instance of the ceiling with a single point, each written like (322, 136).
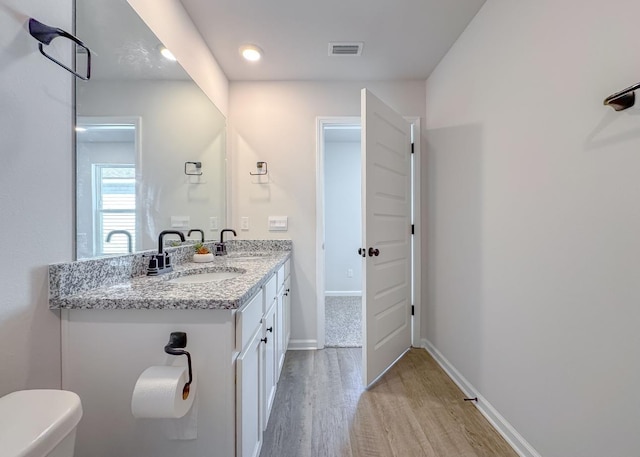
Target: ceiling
(403, 39)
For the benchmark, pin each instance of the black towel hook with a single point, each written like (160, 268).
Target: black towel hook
(624, 99)
(45, 34)
(178, 340)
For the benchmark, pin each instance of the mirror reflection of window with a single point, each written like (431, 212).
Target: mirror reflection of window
(114, 208)
(106, 189)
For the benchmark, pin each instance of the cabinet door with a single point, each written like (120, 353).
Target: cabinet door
(270, 361)
(283, 320)
(249, 385)
(287, 314)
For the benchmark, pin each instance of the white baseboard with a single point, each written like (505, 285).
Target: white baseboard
(343, 293)
(510, 434)
(302, 345)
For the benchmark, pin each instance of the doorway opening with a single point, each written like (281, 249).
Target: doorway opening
(342, 235)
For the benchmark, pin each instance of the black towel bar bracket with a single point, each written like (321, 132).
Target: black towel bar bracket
(624, 99)
(45, 34)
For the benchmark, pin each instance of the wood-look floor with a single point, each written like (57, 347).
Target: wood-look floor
(414, 409)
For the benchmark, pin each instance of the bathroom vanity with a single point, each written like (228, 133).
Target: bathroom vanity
(114, 328)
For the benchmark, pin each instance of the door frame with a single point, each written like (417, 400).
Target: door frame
(321, 122)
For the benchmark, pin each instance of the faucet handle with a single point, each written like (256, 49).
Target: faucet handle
(152, 270)
(220, 249)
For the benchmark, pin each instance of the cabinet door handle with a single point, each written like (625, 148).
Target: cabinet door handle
(264, 340)
(270, 329)
(285, 294)
(362, 252)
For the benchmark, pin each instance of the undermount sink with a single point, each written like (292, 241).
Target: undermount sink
(248, 255)
(200, 278)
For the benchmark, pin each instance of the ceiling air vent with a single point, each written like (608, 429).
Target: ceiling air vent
(353, 48)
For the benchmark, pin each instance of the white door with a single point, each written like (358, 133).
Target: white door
(386, 234)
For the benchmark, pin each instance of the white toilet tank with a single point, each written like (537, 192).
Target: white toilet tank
(39, 423)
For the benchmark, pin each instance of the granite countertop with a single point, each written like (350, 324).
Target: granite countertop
(156, 292)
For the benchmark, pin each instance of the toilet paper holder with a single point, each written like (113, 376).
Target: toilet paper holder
(178, 341)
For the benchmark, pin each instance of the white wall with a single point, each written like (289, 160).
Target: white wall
(532, 226)
(276, 122)
(342, 217)
(36, 193)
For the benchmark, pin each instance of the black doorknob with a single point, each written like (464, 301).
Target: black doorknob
(362, 252)
(373, 252)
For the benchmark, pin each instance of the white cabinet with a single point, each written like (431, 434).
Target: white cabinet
(248, 395)
(270, 360)
(104, 352)
(283, 315)
(262, 338)
(249, 378)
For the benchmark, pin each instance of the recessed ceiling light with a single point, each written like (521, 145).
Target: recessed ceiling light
(166, 53)
(80, 129)
(251, 52)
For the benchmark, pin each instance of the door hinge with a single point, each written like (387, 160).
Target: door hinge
(413, 310)
(412, 148)
(413, 229)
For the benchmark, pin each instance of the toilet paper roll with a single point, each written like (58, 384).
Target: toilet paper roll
(158, 393)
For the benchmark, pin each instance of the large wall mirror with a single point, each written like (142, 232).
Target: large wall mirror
(150, 145)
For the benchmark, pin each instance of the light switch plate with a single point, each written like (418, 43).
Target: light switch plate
(278, 223)
(244, 223)
(213, 223)
(180, 222)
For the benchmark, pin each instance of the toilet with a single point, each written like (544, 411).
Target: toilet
(39, 423)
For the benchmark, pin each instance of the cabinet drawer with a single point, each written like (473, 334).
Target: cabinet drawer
(280, 276)
(270, 292)
(283, 273)
(248, 320)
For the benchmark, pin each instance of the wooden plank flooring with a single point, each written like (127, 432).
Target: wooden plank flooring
(321, 410)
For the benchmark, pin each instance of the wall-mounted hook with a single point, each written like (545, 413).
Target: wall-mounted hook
(198, 167)
(45, 34)
(622, 100)
(262, 169)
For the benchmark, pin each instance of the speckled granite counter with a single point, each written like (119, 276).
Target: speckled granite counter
(119, 283)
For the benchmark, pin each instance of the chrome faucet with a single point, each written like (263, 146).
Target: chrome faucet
(122, 232)
(197, 230)
(221, 248)
(161, 262)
